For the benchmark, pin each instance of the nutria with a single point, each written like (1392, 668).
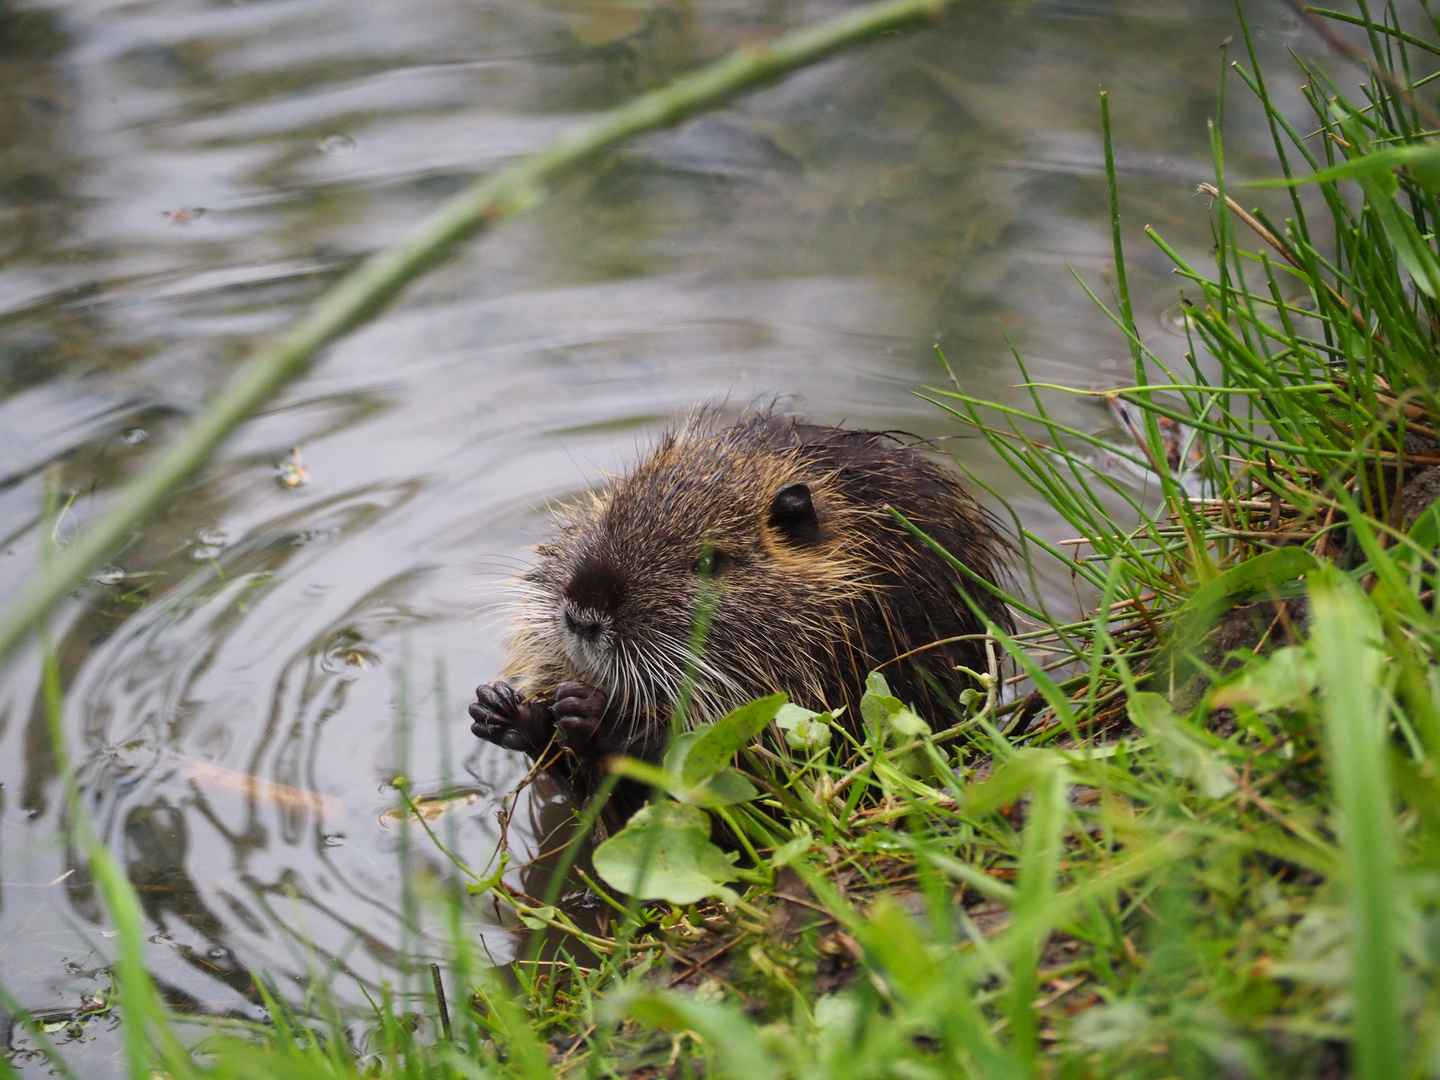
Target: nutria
(814, 582)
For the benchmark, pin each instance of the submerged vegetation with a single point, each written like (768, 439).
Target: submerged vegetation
(1195, 834)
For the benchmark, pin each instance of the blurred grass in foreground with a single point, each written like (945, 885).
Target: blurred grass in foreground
(1202, 839)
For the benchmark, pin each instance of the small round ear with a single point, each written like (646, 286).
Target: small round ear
(792, 514)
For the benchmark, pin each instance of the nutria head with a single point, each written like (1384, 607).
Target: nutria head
(776, 536)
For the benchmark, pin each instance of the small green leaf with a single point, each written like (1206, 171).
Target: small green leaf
(718, 743)
(665, 853)
(1183, 751)
(804, 730)
(908, 723)
(791, 850)
(538, 918)
(878, 703)
(1281, 680)
(882, 710)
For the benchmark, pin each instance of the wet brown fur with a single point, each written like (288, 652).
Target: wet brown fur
(811, 619)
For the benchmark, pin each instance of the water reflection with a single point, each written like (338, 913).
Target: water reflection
(178, 177)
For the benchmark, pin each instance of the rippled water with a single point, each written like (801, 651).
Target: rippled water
(177, 177)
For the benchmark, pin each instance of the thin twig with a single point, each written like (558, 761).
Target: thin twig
(440, 1002)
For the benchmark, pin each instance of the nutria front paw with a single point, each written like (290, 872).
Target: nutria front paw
(579, 712)
(502, 716)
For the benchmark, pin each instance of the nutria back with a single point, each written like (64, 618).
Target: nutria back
(777, 531)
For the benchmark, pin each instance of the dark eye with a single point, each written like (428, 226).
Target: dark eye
(710, 563)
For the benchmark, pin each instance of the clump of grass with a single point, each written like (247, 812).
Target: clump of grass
(1204, 837)
(1204, 842)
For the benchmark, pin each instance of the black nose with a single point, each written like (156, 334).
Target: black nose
(584, 627)
(596, 586)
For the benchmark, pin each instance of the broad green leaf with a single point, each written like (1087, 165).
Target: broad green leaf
(1422, 161)
(725, 788)
(1426, 530)
(680, 747)
(653, 775)
(1381, 188)
(665, 853)
(718, 743)
(893, 939)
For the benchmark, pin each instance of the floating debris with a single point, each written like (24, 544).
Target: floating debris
(262, 790)
(347, 650)
(434, 808)
(596, 25)
(184, 217)
(209, 543)
(335, 145)
(292, 473)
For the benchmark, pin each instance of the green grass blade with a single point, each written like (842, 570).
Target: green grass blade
(1347, 643)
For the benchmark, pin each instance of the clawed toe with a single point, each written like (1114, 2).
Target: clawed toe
(501, 716)
(580, 716)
